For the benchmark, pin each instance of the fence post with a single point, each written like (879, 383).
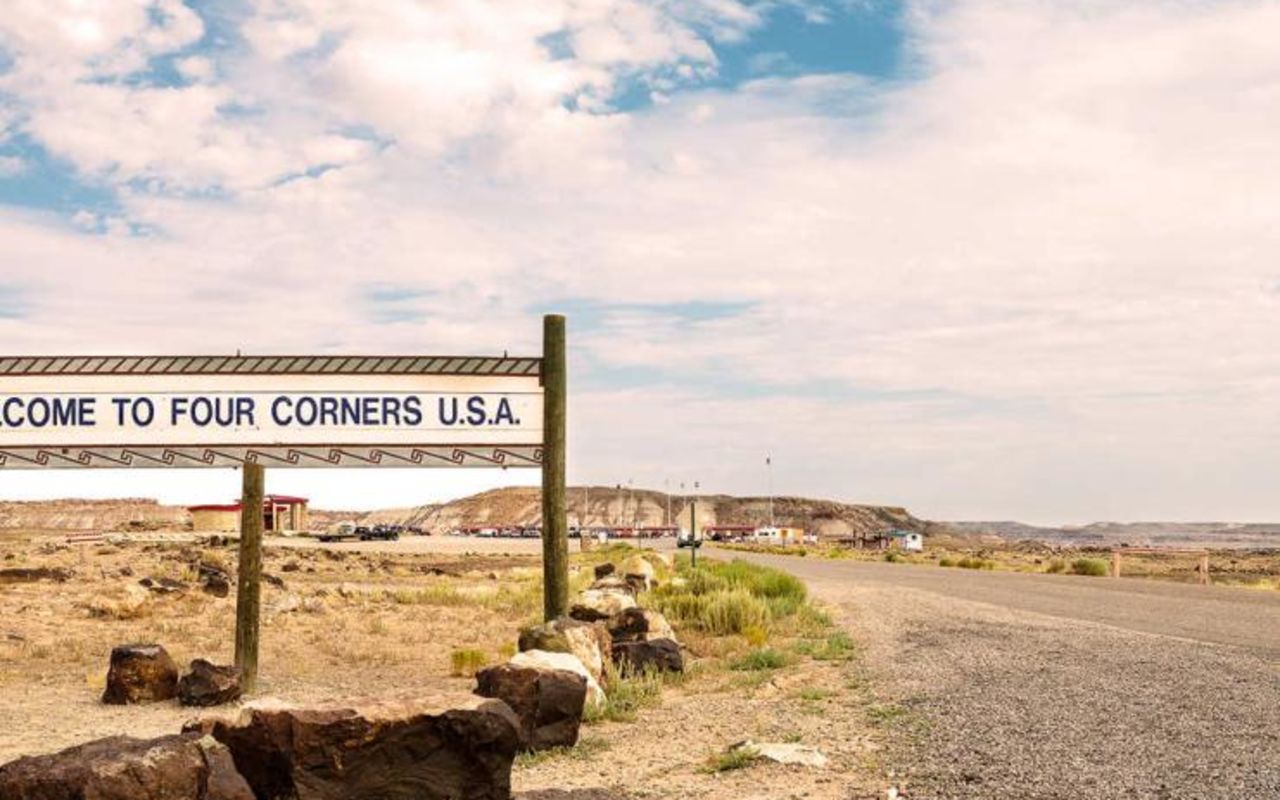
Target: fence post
(1115, 563)
(555, 524)
(249, 583)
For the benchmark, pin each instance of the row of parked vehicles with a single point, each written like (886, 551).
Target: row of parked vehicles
(344, 531)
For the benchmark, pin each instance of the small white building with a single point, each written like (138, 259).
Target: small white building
(911, 541)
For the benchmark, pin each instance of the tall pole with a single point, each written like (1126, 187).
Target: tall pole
(249, 583)
(768, 468)
(555, 527)
(693, 532)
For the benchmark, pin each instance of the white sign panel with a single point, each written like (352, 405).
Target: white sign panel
(288, 411)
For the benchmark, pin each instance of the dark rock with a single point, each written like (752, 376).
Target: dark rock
(445, 748)
(32, 574)
(274, 580)
(661, 655)
(290, 566)
(208, 685)
(218, 587)
(163, 585)
(123, 768)
(638, 625)
(126, 571)
(604, 570)
(140, 673)
(549, 703)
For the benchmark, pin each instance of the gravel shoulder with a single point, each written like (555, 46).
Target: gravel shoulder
(1066, 688)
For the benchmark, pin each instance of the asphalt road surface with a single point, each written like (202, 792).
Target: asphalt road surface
(1056, 686)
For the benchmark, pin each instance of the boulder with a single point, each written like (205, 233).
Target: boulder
(140, 673)
(440, 748)
(216, 586)
(208, 685)
(595, 605)
(547, 660)
(589, 641)
(639, 572)
(639, 625)
(123, 768)
(614, 583)
(660, 655)
(549, 702)
(604, 570)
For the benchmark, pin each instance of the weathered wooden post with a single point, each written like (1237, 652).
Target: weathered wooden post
(555, 525)
(1115, 563)
(249, 585)
(1204, 569)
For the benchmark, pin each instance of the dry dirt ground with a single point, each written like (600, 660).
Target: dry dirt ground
(348, 623)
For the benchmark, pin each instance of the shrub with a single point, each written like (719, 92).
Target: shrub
(467, 661)
(946, 561)
(975, 563)
(624, 696)
(733, 612)
(1055, 566)
(761, 659)
(892, 558)
(756, 635)
(1095, 567)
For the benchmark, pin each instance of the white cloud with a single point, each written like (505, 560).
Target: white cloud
(1030, 282)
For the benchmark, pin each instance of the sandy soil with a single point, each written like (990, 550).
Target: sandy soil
(379, 619)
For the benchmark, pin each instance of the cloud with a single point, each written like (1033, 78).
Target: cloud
(1033, 273)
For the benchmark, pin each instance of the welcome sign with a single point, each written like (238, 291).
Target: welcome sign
(294, 411)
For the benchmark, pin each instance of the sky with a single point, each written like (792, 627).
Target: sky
(985, 259)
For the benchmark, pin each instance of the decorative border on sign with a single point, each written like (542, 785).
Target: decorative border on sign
(105, 457)
(12, 366)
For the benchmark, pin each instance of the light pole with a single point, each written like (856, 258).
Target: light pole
(768, 469)
(694, 542)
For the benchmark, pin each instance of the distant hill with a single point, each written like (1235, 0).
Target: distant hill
(1225, 535)
(130, 513)
(607, 506)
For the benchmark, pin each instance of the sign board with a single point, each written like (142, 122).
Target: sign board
(289, 411)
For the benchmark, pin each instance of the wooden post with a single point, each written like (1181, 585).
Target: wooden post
(249, 586)
(1115, 563)
(555, 523)
(1204, 569)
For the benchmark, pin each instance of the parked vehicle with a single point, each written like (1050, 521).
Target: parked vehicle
(339, 531)
(386, 533)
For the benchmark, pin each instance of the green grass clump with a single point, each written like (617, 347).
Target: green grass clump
(838, 646)
(1055, 566)
(735, 758)
(467, 661)
(761, 659)
(946, 561)
(625, 696)
(734, 612)
(1095, 567)
(970, 562)
(892, 558)
(587, 748)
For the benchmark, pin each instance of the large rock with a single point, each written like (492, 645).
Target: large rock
(140, 673)
(549, 703)
(122, 768)
(448, 747)
(639, 625)
(594, 605)
(604, 570)
(208, 685)
(547, 660)
(589, 641)
(639, 573)
(659, 655)
(613, 583)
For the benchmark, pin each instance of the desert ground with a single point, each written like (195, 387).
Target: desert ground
(352, 620)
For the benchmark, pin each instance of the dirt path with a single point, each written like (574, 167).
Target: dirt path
(1015, 686)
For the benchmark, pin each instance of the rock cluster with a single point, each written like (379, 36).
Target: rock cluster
(208, 685)
(438, 748)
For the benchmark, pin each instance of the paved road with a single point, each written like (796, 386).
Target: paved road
(1050, 686)
(1241, 617)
